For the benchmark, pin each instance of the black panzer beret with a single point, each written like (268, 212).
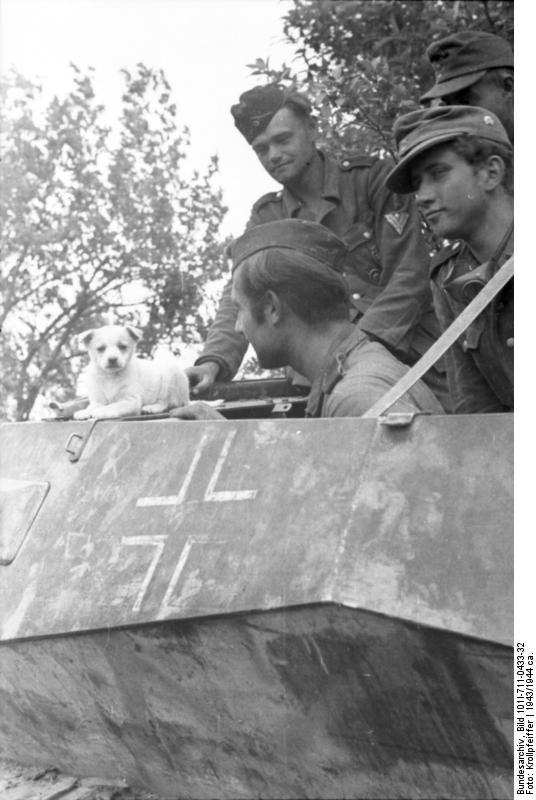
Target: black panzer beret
(462, 59)
(420, 130)
(257, 106)
(308, 238)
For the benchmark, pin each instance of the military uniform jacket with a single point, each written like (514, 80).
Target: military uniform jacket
(358, 372)
(480, 364)
(387, 267)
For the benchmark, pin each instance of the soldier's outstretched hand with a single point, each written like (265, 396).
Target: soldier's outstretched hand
(202, 377)
(197, 410)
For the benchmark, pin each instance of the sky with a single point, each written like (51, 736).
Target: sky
(203, 47)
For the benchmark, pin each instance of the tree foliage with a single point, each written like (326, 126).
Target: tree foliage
(93, 221)
(362, 62)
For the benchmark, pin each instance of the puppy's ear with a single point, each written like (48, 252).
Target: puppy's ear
(85, 338)
(134, 332)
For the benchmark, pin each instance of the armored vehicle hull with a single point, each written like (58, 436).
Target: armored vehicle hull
(269, 608)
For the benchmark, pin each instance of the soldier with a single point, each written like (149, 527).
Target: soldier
(458, 161)
(292, 304)
(474, 68)
(387, 263)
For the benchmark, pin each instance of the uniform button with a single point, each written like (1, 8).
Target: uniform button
(367, 234)
(356, 296)
(465, 346)
(374, 275)
(346, 163)
(510, 341)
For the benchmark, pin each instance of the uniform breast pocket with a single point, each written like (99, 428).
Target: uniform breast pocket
(363, 256)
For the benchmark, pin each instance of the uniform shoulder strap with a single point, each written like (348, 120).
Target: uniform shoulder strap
(350, 161)
(270, 197)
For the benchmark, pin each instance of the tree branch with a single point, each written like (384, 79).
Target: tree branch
(488, 16)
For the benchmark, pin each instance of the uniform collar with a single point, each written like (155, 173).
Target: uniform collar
(330, 188)
(333, 369)
(504, 249)
(461, 250)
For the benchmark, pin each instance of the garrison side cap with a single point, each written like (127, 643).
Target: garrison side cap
(462, 59)
(257, 106)
(302, 236)
(420, 130)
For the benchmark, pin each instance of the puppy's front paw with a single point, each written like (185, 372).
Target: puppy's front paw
(84, 413)
(155, 408)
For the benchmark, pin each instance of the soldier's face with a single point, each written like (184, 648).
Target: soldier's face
(259, 326)
(285, 148)
(491, 95)
(450, 192)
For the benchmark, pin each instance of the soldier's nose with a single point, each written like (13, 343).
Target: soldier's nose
(423, 196)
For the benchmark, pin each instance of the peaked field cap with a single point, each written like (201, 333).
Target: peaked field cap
(420, 130)
(257, 106)
(462, 59)
(307, 238)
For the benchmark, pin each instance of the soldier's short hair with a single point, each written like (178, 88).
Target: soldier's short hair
(476, 151)
(311, 289)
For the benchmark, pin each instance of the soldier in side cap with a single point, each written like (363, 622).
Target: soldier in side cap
(387, 263)
(474, 68)
(292, 304)
(458, 161)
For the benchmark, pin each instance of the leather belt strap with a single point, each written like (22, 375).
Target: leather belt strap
(447, 338)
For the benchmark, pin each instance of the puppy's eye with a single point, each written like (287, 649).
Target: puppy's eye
(122, 347)
(101, 348)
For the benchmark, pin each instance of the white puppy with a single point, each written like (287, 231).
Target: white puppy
(120, 385)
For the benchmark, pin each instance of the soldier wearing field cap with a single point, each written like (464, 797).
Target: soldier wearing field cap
(458, 162)
(474, 68)
(292, 305)
(387, 262)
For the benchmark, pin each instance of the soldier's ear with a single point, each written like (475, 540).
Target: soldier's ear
(273, 307)
(85, 338)
(508, 84)
(495, 170)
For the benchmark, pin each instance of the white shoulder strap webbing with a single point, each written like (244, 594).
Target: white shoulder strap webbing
(447, 338)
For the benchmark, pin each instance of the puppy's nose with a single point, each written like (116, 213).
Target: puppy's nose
(113, 361)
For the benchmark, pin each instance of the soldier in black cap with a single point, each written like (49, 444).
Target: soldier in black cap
(387, 262)
(292, 304)
(474, 68)
(458, 161)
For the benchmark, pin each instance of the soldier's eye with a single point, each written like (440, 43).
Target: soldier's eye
(438, 172)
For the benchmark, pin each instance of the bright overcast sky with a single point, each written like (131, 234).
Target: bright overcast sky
(203, 47)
